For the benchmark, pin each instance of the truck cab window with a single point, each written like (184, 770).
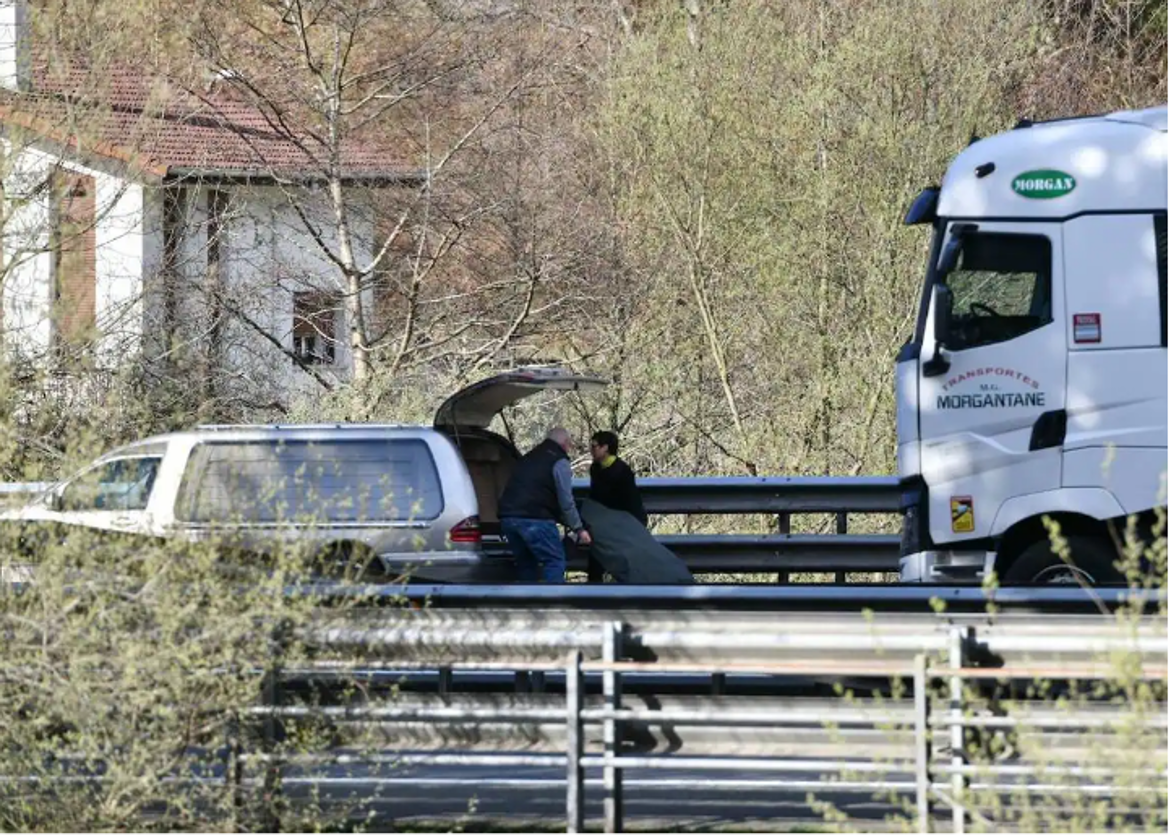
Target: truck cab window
(1000, 288)
(122, 484)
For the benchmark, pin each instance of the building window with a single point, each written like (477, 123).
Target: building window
(314, 327)
(74, 258)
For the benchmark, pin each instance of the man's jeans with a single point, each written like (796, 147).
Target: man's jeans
(536, 543)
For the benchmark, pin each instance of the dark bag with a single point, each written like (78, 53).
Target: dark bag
(629, 552)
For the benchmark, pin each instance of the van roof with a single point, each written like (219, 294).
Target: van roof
(293, 427)
(257, 431)
(1059, 168)
(473, 406)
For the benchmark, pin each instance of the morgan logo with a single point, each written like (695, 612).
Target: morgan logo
(1043, 184)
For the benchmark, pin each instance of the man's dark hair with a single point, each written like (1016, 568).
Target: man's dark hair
(607, 438)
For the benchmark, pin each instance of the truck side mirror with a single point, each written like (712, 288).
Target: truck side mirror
(941, 324)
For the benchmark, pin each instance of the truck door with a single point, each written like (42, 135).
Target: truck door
(992, 384)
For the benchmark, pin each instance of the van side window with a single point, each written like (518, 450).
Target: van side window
(305, 481)
(122, 484)
(1001, 288)
(1161, 264)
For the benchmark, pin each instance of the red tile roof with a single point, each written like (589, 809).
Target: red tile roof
(164, 129)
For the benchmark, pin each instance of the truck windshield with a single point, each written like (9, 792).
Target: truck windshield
(1000, 288)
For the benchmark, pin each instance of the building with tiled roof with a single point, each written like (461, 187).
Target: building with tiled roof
(172, 131)
(144, 217)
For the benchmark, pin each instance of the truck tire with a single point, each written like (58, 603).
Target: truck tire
(1092, 557)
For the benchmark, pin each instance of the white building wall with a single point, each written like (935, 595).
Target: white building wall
(15, 64)
(120, 258)
(266, 255)
(153, 336)
(28, 273)
(271, 257)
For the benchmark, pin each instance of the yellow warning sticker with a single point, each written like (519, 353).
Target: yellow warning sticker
(962, 518)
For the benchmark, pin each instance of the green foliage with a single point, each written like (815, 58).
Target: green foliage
(131, 665)
(722, 238)
(764, 176)
(1085, 744)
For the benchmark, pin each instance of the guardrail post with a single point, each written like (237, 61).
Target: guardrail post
(612, 729)
(840, 576)
(575, 777)
(271, 698)
(922, 746)
(784, 527)
(956, 646)
(233, 775)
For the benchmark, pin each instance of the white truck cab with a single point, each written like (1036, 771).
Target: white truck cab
(1035, 384)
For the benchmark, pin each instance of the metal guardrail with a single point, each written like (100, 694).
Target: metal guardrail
(768, 494)
(583, 717)
(721, 495)
(782, 553)
(694, 708)
(738, 598)
(17, 492)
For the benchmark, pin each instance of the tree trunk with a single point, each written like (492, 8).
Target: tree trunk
(355, 313)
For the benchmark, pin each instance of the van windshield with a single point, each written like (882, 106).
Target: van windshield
(121, 484)
(300, 482)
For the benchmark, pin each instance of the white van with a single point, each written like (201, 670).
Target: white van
(1035, 384)
(403, 501)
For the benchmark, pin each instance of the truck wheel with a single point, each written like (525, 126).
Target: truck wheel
(1093, 559)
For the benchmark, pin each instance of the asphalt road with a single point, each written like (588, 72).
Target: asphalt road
(512, 797)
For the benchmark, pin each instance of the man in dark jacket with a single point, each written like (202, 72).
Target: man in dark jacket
(611, 479)
(538, 494)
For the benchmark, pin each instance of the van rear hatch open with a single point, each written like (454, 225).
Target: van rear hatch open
(478, 404)
(465, 416)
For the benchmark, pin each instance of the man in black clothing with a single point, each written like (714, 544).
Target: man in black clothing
(538, 495)
(611, 479)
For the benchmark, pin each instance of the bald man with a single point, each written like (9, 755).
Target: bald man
(538, 495)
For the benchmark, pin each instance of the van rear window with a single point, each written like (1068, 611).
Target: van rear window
(311, 481)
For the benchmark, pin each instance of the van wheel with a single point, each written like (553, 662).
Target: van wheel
(1093, 564)
(349, 561)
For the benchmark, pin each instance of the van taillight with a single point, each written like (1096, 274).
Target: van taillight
(467, 531)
